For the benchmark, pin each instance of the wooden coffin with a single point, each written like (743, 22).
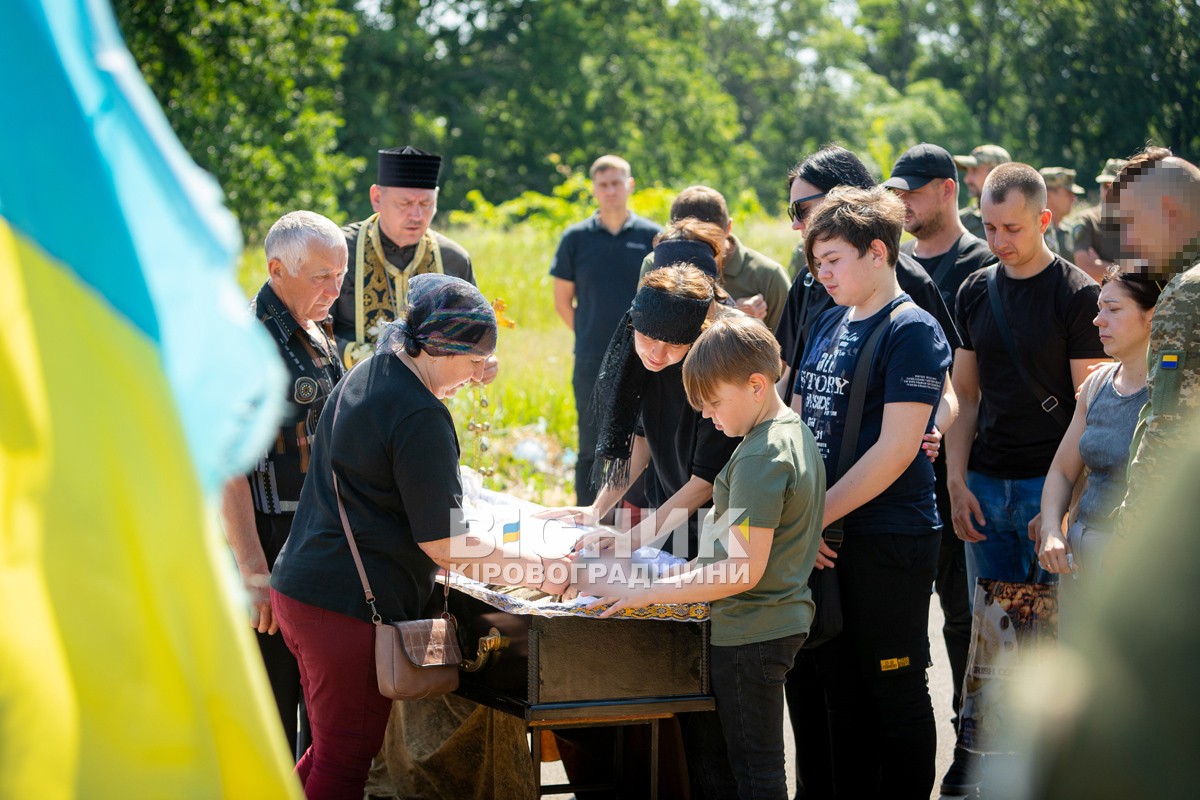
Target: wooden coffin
(571, 667)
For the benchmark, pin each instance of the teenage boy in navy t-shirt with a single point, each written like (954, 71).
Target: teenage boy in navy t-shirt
(880, 715)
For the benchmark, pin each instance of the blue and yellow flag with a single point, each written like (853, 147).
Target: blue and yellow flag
(131, 383)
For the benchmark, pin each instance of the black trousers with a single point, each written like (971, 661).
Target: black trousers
(881, 725)
(583, 381)
(748, 682)
(954, 595)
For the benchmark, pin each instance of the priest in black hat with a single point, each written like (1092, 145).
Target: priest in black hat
(390, 247)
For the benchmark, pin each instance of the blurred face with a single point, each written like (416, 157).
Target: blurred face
(1124, 325)
(810, 197)
(923, 208)
(734, 408)
(611, 188)
(447, 374)
(849, 278)
(1014, 229)
(311, 292)
(1060, 200)
(655, 355)
(404, 214)
(1146, 230)
(974, 177)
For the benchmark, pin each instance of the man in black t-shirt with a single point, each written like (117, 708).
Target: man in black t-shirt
(1014, 412)
(595, 271)
(1016, 380)
(925, 179)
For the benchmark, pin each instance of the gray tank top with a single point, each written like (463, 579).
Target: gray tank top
(1104, 448)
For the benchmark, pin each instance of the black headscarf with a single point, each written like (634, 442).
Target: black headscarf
(618, 396)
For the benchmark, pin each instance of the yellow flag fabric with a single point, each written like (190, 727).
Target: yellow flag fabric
(130, 385)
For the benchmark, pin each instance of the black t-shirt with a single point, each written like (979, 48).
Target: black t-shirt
(1050, 316)
(793, 329)
(604, 268)
(682, 442)
(396, 456)
(973, 253)
(909, 366)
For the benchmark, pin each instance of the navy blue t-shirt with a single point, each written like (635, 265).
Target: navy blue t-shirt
(605, 269)
(909, 366)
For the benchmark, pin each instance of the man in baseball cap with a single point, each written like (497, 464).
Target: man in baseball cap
(982, 160)
(1061, 191)
(1098, 239)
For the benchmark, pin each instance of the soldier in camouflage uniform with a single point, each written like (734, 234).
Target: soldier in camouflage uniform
(975, 167)
(1159, 209)
(1061, 191)
(1097, 237)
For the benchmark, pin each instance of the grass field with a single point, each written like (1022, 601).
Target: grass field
(531, 411)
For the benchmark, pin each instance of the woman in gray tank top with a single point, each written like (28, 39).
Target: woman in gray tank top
(1097, 440)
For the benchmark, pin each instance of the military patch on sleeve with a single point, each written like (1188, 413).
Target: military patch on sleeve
(1169, 360)
(305, 391)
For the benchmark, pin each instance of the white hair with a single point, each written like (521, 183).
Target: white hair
(293, 233)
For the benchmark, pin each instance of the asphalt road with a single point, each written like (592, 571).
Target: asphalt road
(940, 689)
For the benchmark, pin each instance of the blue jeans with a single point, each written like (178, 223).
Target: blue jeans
(748, 681)
(1007, 553)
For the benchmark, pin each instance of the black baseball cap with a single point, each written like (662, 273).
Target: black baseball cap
(919, 165)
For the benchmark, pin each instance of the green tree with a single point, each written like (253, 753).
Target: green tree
(250, 88)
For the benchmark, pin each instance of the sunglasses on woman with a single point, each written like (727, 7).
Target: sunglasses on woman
(796, 213)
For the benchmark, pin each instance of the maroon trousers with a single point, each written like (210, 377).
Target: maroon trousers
(346, 712)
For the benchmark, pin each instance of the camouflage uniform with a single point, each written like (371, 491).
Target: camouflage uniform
(1174, 381)
(1059, 234)
(972, 218)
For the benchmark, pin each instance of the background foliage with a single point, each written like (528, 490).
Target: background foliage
(285, 101)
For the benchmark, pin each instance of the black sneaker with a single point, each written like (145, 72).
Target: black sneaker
(962, 779)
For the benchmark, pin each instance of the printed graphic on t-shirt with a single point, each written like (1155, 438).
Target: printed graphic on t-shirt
(909, 366)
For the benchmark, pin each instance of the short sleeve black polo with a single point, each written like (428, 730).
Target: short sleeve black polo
(604, 268)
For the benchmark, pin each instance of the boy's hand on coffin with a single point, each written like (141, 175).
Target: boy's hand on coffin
(632, 599)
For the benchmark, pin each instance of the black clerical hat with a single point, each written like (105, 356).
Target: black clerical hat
(409, 167)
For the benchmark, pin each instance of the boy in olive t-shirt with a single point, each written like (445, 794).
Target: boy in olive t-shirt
(757, 547)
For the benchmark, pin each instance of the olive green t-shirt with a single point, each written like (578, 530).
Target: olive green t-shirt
(774, 479)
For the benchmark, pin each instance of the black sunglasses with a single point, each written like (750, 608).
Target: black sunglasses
(796, 213)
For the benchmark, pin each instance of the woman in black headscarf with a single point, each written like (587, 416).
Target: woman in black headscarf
(391, 443)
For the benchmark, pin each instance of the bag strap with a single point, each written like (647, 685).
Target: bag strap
(947, 262)
(1049, 403)
(337, 492)
(798, 353)
(854, 411)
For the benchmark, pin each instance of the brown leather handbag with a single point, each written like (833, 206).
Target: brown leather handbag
(415, 659)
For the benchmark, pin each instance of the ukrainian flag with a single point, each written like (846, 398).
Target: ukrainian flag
(131, 383)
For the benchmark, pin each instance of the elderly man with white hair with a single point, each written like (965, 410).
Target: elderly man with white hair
(306, 263)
